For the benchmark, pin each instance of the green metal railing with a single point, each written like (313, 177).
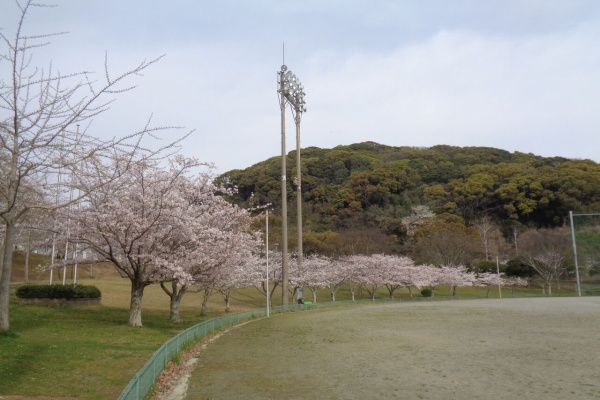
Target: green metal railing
(139, 387)
(144, 379)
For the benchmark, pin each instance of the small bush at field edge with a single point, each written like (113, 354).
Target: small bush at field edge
(58, 292)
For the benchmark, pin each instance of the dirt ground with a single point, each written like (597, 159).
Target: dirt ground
(540, 348)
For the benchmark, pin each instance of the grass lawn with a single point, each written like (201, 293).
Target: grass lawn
(91, 352)
(514, 348)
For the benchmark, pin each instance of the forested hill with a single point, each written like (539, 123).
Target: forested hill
(371, 187)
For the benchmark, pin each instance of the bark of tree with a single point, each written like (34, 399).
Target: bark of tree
(175, 295)
(7, 258)
(314, 294)
(226, 293)
(206, 295)
(372, 291)
(135, 307)
(391, 289)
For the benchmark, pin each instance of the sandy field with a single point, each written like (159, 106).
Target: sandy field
(536, 348)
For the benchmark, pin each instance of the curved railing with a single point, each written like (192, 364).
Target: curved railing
(139, 387)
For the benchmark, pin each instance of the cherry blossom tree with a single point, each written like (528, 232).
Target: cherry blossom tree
(397, 272)
(431, 277)
(218, 242)
(233, 275)
(45, 130)
(490, 280)
(255, 275)
(446, 275)
(457, 277)
(514, 282)
(370, 272)
(316, 270)
(353, 271)
(141, 224)
(338, 274)
(414, 276)
(229, 248)
(323, 272)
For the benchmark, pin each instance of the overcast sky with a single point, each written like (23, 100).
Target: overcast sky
(520, 75)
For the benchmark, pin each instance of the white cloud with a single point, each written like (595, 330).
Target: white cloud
(461, 88)
(507, 74)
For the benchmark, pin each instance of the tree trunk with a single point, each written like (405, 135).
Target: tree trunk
(175, 295)
(227, 304)
(5, 273)
(207, 293)
(272, 292)
(174, 309)
(390, 292)
(135, 308)
(226, 297)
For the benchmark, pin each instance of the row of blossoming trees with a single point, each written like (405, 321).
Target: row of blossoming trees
(171, 226)
(372, 273)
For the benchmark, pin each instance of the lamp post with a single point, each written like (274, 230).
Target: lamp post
(290, 90)
(267, 253)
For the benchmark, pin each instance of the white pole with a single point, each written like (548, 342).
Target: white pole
(52, 257)
(267, 245)
(76, 253)
(64, 280)
(498, 271)
(575, 253)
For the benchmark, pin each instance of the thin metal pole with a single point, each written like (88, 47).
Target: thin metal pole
(284, 233)
(267, 246)
(64, 277)
(498, 272)
(575, 253)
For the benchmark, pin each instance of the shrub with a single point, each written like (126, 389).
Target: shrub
(426, 292)
(482, 266)
(517, 268)
(58, 292)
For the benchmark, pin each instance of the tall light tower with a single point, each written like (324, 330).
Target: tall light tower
(291, 91)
